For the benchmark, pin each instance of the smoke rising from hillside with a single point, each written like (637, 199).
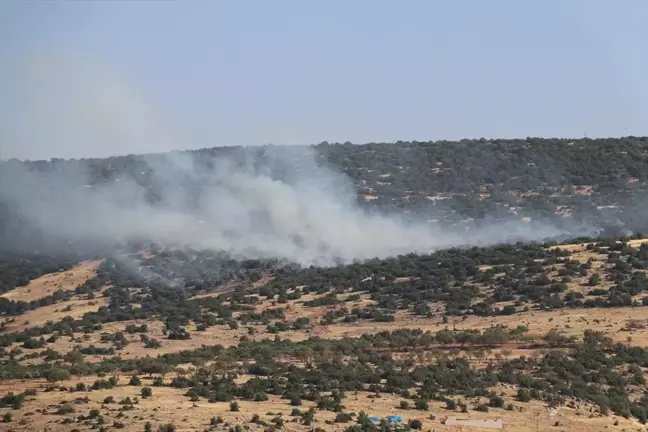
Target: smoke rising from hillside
(309, 216)
(280, 205)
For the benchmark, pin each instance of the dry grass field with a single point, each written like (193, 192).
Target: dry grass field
(74, 308)
(170, 405)
(50, 283)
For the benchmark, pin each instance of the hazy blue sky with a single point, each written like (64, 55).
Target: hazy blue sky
(95, 78)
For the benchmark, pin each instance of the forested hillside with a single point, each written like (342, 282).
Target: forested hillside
(597, 181)
(142, 335)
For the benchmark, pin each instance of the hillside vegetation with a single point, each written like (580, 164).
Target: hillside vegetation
(599, 183)
(146, 336)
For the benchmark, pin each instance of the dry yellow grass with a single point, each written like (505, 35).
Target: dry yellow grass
(215, 335)
(50, 283)
(169, 405)
(571, 322)
(610, 321)
(637, 243)
(74, 308)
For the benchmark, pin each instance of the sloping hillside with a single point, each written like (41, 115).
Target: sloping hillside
(502, 332)
(597, 184)
(130, 331)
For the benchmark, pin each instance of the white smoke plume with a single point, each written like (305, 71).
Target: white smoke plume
(306, 215)
(309, 218)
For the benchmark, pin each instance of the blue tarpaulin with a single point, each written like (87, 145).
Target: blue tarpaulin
(395, 419)
(374, 418)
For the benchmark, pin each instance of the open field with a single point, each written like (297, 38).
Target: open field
(610, 321)
(49, 408)
(50, 283)
(169, 405)
(74, 308)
